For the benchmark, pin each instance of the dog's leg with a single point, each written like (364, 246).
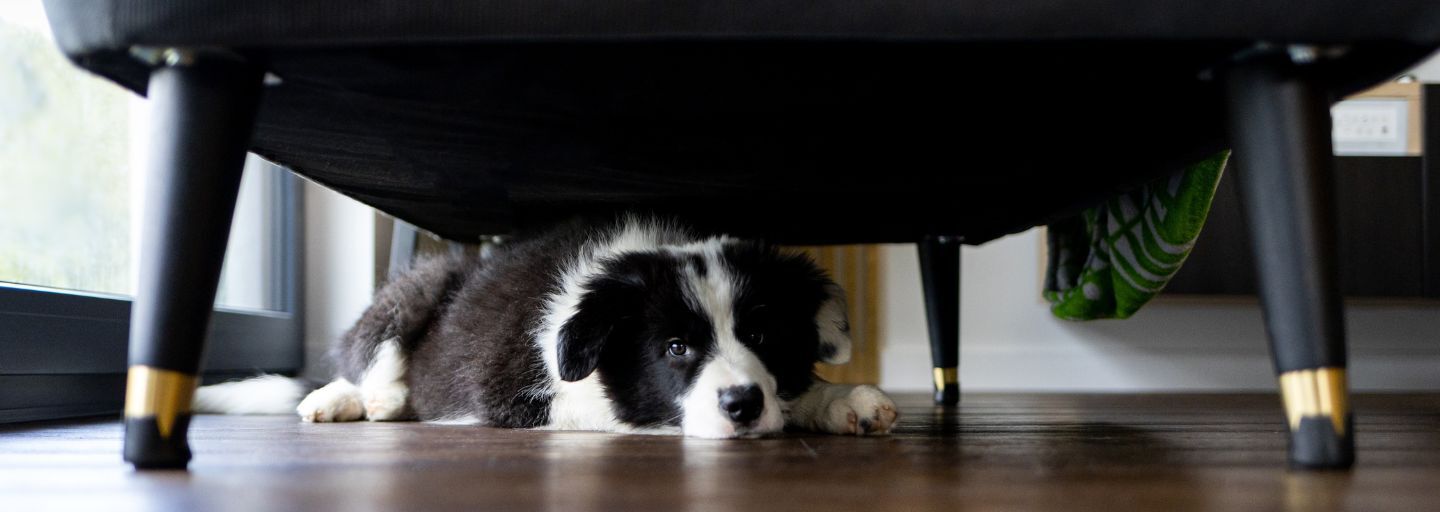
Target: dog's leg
(374, 353)
(383, 388)
(337, 401)
(843, 409)
(381, 395)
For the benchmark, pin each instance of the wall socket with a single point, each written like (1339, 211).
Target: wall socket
(1376, 127)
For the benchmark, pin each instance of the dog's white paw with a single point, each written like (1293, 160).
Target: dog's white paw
(865, 410)
(337, 401)
(386, 402)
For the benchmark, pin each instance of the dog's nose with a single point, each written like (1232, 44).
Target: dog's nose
(742, 403)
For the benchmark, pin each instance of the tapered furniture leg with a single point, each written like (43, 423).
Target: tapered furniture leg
(202, 112)
(1280, 130)
(940, 277)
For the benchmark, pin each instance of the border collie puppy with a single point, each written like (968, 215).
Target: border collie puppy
(639, 326)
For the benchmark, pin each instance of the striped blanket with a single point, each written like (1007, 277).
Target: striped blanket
(1110, 260)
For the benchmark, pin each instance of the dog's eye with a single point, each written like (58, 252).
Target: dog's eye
(754, 337)
(677, 347)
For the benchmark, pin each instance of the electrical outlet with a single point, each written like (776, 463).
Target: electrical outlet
(1370, 127)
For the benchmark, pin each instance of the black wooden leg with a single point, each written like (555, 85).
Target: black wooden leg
(940, 276)
(1280, 129)
(202, 114)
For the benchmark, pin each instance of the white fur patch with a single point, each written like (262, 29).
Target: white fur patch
(844, 409)
(464, 419)
(382, 388)
(337, 401)
(266, 394)
(582, 405)
(703, 416)
(731, 364)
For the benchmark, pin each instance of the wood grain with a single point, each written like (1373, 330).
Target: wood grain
(994, 452)
(856, 269)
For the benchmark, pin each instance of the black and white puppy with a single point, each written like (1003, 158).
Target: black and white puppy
(638, 326)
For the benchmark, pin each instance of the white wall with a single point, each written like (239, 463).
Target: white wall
(1009, 340)
(1428, 71)
(339, 270)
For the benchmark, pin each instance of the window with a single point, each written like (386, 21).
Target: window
(64, 204)
(71, 193)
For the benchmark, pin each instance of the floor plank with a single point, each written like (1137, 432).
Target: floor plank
(994, 452)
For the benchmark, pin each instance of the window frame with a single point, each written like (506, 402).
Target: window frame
(64, 353)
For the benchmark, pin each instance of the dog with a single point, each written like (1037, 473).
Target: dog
(637, 326)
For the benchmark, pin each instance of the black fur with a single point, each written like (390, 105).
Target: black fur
(775, 311)
(465, 324)
(638, 371)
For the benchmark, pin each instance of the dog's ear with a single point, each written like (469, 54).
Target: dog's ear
(833, 324)
(610, 299)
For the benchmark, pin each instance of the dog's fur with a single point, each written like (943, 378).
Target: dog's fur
(637, 326)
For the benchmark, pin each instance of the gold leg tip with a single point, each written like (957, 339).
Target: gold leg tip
(945, 376)
(1316, 393)
(158, 393)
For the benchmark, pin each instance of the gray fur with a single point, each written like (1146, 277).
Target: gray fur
(465, 324)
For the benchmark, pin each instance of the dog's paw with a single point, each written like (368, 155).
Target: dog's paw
(865, 410)
(385, 403)
(337, 401)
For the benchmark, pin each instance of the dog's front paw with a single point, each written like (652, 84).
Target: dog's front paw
(385, 402)
(337, 401)
(865, 410)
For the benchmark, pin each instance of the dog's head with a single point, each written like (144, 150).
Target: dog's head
(708, 337)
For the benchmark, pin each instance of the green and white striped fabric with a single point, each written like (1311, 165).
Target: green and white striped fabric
(1110, 260)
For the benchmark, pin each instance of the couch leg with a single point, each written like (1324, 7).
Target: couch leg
(202, 114)
(940, 277)
(1280, 129)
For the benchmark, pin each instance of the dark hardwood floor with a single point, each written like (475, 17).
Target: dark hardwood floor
(994, 452)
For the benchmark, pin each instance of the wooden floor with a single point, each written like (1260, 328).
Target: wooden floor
(995, 452)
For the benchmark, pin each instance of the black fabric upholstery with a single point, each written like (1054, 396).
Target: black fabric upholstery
(96, 25)
(800, 121)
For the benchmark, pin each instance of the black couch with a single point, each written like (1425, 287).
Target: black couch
(804, 122)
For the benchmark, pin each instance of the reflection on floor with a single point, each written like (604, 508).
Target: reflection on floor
(1001, 452)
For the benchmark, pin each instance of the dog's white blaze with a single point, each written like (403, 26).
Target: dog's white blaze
(730, 364)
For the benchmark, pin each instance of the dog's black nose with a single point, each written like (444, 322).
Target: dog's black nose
(742, 403)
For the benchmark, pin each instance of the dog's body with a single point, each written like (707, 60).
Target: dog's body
(637, 326)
